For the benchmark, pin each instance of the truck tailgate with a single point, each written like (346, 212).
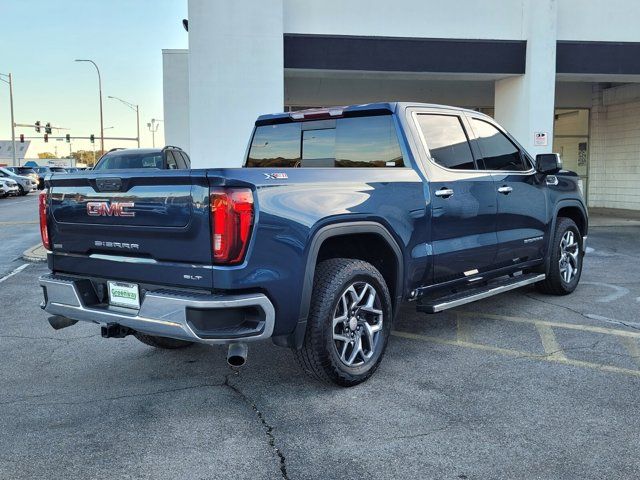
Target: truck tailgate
(109, 223)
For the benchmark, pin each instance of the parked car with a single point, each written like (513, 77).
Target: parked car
(167, 158)
(25, 184)
(25, 172)
(44, 170)
(8, 187)
(337, 216)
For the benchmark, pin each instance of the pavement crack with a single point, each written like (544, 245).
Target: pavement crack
(67, 340)
(268, 428)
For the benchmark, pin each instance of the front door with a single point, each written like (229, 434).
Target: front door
(463, 199)
(522, 202)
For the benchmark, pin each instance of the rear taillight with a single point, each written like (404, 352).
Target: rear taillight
(44, 230)
(231, 222)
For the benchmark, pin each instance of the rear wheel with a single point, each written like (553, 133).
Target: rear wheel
(161, 342)
(565, 262)
(349, 322)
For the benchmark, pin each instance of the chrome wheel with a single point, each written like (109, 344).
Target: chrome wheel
(569, 256)
(357, 324)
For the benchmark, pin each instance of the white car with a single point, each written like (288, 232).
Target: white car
(25, 184)
(8, 187)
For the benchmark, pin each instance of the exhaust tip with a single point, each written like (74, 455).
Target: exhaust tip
(237, 355)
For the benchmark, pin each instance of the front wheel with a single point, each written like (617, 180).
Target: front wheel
(349, 322)
(565, 262)
(21, 191)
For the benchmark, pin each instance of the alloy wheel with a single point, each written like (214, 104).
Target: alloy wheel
(569, 256)
(357, 324)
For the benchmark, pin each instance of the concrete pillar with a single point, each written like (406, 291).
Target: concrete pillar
(236, 72)
(524, 105)
(175, 90)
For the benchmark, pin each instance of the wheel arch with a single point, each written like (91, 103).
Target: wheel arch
(320, 238)
(570, 208)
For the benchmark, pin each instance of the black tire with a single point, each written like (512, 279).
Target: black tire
(162, 342)
(21, 191)
(555, 284)
(319, 354)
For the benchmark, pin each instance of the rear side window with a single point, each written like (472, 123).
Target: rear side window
(447, 141)
(344, 142)
(498, 152)
(171, 161)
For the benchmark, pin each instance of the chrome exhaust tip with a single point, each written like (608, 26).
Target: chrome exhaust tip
(237, 355)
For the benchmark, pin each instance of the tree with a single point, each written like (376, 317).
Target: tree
(86, 156)
(46, 155)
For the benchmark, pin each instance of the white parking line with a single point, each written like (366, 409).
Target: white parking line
(15, 272)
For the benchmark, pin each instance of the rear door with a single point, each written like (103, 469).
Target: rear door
(463, 199)
(108, 224)
(522, 201)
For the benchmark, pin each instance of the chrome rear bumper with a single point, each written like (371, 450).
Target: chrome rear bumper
(183, 315)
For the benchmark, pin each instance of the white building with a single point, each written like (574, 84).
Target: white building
(569, 69)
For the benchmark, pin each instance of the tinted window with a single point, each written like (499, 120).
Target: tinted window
(113, 161)
(275, 146)
(345, 142)
(447, 141)
(186, 160)
(498, 152)
(171, 161)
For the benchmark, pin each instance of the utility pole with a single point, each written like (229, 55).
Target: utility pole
(135, 108)
(13, 123)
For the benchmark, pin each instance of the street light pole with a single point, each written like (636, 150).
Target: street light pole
(135, 108)
(153, 128)
(13, 123)
(100, 93)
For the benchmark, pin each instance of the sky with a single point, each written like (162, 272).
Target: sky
(39, 41)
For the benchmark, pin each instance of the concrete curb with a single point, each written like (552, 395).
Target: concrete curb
(37, 253)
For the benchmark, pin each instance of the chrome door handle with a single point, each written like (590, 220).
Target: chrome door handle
(505, 190)
(444, 192)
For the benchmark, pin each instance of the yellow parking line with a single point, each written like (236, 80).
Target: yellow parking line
(568, 326)
(463, 332)
(632, 347)
(516, 353)
(549, 342)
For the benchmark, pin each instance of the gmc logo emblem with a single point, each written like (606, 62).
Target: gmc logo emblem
(110, 209)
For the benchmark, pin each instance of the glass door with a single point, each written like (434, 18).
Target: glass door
(571, 141)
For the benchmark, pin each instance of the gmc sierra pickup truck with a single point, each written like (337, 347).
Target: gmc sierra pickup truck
(337, 217)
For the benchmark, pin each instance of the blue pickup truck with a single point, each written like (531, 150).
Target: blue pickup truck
(337, 217)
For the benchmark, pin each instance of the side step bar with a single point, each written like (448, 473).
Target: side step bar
(500, 285)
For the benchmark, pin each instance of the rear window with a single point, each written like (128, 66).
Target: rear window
(343, 142)
(116, 161)
(23, 171)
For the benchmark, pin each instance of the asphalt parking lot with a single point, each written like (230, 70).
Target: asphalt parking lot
(518, 386)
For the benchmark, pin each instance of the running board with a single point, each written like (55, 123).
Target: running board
(435, 305)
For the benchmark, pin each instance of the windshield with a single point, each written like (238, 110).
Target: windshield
(58, 169)
(24, 171)
(130, 160)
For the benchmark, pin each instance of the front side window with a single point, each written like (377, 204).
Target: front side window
(344, 142)
(498, 152)
(447, 141)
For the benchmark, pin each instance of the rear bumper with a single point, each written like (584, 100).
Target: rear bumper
(196, 317)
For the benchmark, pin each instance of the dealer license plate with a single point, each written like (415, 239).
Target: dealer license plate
(124, 294)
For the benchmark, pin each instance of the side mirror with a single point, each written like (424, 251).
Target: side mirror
(548, 163)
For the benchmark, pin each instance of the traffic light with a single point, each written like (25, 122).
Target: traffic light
(46, 137)
(47, 128)
(68, 137)
(22, 138)
(92, 138)
(38, 126)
